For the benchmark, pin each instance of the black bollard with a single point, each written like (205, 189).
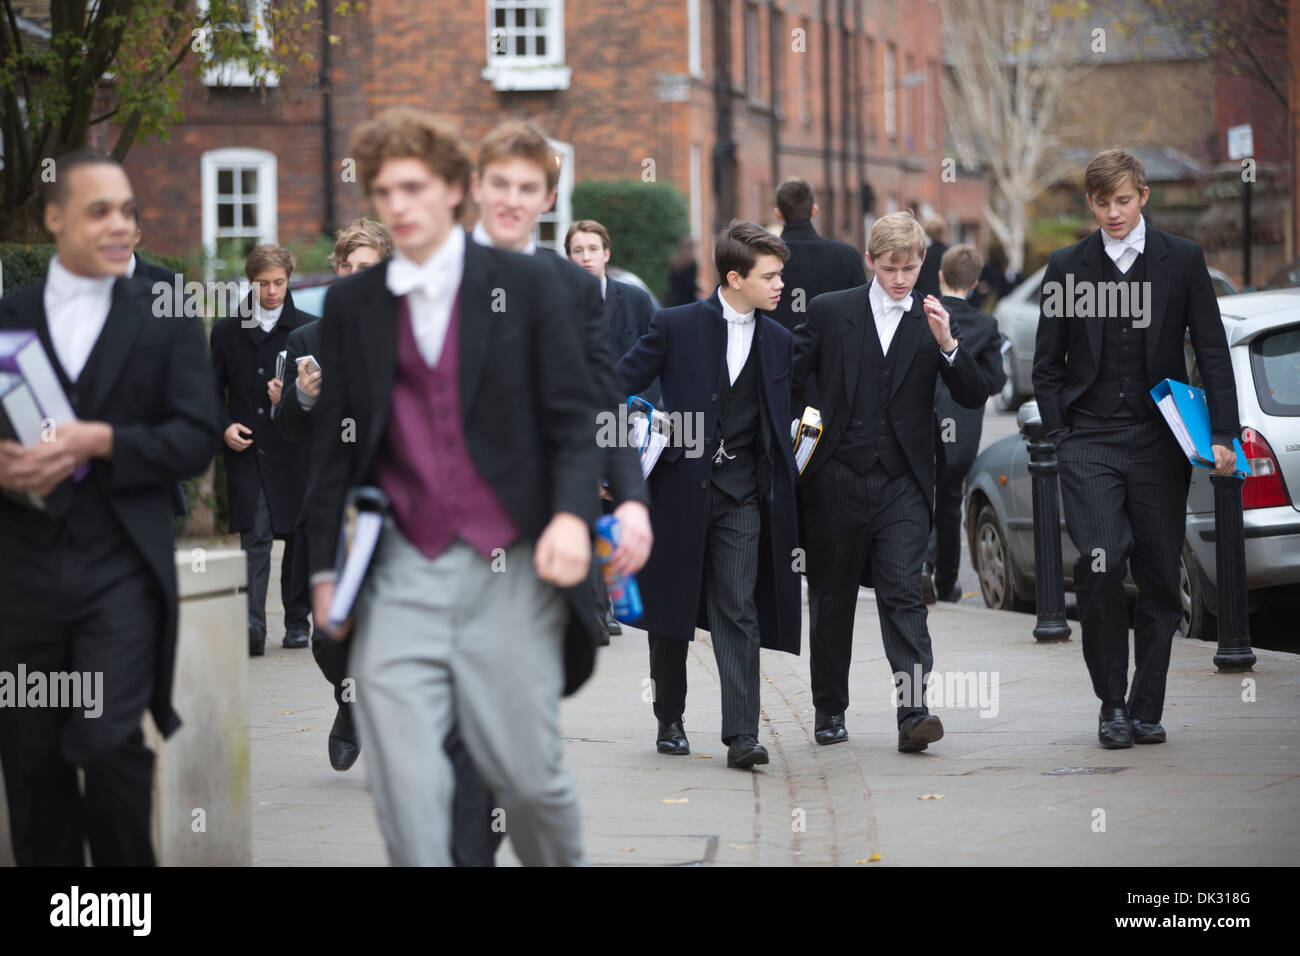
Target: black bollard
(1234, 653)
(1049, 579)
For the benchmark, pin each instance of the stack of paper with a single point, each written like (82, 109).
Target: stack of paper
(20, 421)
(806, 433)
(22, 354)
(1188, 417)
(364, 510)
(651, 431)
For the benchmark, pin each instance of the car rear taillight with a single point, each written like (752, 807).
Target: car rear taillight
(1263, 488)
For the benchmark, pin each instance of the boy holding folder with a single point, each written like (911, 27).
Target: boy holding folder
(1123, 476)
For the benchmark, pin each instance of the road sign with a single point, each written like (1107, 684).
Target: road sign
(1241, 141)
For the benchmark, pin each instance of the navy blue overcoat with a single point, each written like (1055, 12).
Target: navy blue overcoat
(686, 348)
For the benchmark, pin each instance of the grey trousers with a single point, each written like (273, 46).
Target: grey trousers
(452, 641)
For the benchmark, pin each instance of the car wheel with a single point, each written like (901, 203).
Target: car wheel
(1008, 400)
(993, 563)
(1196, 620)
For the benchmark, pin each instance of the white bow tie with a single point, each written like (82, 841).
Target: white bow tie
(405, 277)
(894, 309)
(1115, 248)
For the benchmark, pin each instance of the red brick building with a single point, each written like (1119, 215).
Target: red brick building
(844, 93)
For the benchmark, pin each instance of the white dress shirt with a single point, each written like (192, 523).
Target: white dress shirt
(76, 308)
(430, 288)
(266, 318)
(130, 266)
(604, 280)
(740, 336)
(1124, 252)
(888, 314)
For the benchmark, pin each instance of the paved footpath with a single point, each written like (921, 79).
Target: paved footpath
(1026, 784)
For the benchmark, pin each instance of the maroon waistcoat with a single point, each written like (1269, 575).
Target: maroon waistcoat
(425, 467)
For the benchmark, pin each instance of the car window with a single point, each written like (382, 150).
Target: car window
(1222, 286)
(1193, 372)
(1275, 361)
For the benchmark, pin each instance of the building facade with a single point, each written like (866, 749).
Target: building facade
(721, 98)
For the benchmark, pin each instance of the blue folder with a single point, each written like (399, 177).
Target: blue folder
(1195, 414)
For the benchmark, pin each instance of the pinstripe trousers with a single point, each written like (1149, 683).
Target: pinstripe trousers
(730, 575)
(1124, 492)
(848, 520)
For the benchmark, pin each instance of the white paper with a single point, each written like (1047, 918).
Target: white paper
(1169, 408)
(365, 536)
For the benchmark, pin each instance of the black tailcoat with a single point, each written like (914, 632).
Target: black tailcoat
(150, 380)
(1067, 350)
(528, 418)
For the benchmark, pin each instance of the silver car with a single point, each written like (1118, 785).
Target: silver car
(1017, 316)
(1263, 331)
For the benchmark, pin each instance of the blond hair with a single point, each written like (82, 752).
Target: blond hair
(1107, 171)
(897, 233)
(524, 140)
(359, 234)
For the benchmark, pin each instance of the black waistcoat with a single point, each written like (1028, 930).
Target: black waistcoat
(1120, 389)
(869, 436)
(739, 421)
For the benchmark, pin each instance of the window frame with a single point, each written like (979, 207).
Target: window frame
(891, 91)
(238, 158)
(561, 214)
(235, 73)
(511, 71)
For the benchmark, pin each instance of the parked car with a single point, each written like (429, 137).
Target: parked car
(1288, 277)
(1263, 331)
(1017, 316)
(310, 296)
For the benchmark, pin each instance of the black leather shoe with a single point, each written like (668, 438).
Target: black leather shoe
(830, 729)
(745, 751)
(1148, 732)
(952, 595)
(612, 627)
(256, 642)
(344, 746)
(672, 739)
(927, 582)
(917, 732)
(1114, 730)
(296, 639)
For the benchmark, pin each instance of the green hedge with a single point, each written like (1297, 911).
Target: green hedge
(645, 222)
(26, 264)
